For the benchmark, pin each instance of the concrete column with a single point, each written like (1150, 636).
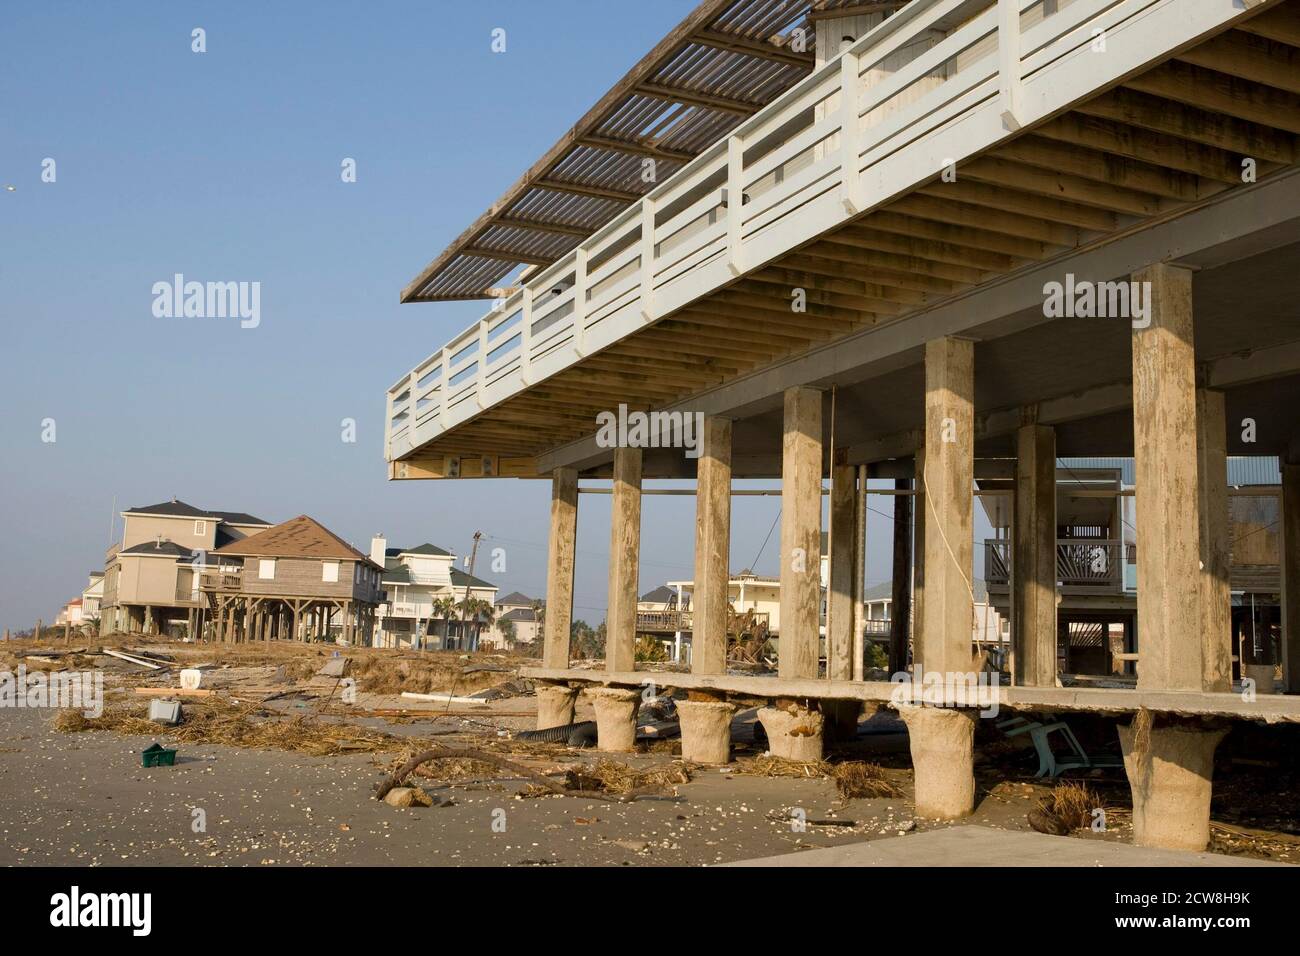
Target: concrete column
(624, 561)
(1033, 576)
(1215, 541)
(801, 525)
(794, 732)
(844, 565)
(1168, 534)
(949, 481)
(1290, 546)
(616, 709)
(555, 705)
(1170, 771)
(942, 742)
(712, 550)
(559, 567)
(706, 730)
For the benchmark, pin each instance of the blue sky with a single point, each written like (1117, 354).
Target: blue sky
(225, 166)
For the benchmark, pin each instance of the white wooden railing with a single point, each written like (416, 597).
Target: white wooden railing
(857, 132)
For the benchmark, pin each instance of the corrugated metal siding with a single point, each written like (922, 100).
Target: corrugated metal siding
(1242, 471)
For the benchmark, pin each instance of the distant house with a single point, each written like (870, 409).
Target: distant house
(422, 595)
(295, 581)
(92, 597)
(70, 614)
(519, 611)
(151, 579)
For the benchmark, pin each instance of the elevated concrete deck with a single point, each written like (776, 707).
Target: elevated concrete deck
(1271, 708)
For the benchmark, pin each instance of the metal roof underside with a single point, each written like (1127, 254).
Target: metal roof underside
(720, 65)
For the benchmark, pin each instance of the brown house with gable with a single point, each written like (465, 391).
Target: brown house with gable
(295, 581)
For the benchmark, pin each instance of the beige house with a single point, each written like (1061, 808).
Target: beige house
(422, 593)
(150, 582)
(295, 581)
(521, 613)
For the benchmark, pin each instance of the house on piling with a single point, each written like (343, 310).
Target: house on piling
(924, 251)
(296, 581)
(151, 578)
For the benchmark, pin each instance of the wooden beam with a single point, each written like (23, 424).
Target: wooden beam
(559, 567)
(584, 189)
(505, 255)
(1131, 142)
(1098, 166)
(624, 560)
(723, 104)
(801, 514)
(945, 208)
(709, 602)
(563, 229)
(1014, 201)
(1219, 93)
(1248, 58)
(752, 46)
(636, 148)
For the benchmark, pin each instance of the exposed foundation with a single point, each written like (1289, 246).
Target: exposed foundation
(555, 705)
(1169, 772)
(706, 730)
(942, 743)
(616, 710)
(794, 732)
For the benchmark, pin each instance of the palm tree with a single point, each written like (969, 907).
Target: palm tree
(478, 611)
(443, 608)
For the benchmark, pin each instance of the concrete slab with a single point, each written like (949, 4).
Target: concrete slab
(986, 846)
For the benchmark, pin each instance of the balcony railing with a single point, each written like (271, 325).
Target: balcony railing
(856, 132)
(221, 581)
(1081, 563)
(671, 620)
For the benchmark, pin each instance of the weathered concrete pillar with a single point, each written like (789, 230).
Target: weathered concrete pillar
(801, 521)
(845, 564)
(1290, 546)
(950, 480)
(709, 602)
(1170, 770)
(616, 710)
(1215, 541)
(624, 561)
(942, 742)
(794, 731)
(555, 705)
(1033, 577)
(559, 567)
(919, 511)
(1164, 445)
(706, 730)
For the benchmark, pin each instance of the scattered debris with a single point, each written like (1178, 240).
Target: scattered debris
(137, 661)
(165, 712)
(856, 779)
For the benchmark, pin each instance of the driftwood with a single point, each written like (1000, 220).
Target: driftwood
(443, 753)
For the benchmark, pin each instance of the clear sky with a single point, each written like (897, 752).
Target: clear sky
(225, 166)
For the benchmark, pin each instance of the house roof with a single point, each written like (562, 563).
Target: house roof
(516, 598)
(426, 549)
(182, 509)
(724, 62)
(518, 614)
(662, 594)
(159, 549)
(459, 579)
(395, 572)
(300, 537)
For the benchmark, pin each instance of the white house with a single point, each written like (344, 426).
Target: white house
(423, 590)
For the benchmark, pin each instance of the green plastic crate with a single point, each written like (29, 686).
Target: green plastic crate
(158, 756)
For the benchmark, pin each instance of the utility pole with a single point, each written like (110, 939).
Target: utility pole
(464, 606)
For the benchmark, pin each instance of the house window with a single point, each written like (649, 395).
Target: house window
(266, 569)
(356, 574)
(329, 571)
(200, 528)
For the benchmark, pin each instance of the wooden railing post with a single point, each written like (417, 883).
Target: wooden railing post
(647, 257)
(480, 369)
(735, 199)
(526, 337)
(580, 300)
(850, 134)
(1009, 77)
(445, 412)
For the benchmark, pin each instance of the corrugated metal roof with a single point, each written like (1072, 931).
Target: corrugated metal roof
(1242, 471)
(723, 63)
